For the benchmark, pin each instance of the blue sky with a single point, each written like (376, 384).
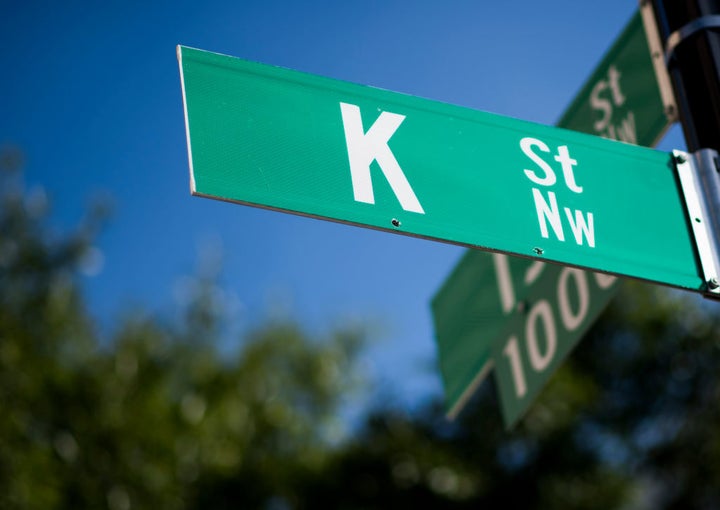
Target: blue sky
(91, 93)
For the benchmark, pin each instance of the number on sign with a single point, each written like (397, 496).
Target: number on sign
(541, 334)
(539, 358)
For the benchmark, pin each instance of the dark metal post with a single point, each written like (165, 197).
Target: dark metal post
(690, 30)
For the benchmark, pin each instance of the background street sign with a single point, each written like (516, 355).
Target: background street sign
(556, 311)
(622, 100)
(280, 139)
(468, 313)
(491, 298)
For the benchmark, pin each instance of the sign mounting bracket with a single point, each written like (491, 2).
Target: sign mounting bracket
(700, 184)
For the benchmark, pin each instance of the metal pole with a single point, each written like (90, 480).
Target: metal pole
(691, 32)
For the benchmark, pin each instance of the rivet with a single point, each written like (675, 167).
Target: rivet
(395, 222)
(713, 283)
(680, 158)
(539, 251)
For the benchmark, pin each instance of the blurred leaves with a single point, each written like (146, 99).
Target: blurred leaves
(158, 415)
(629, 421)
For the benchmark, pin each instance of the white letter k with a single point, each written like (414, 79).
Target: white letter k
(364, 148)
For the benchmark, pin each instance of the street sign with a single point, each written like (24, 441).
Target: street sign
(625, 98)
(496, 310)
(284, 140)
(467, 315)
(544, 327)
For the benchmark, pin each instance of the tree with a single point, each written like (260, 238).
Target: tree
(155, 415)
(629, 421)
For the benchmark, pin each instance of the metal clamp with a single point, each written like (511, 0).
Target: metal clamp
(659, 63)
(687, 31)
(700, 183)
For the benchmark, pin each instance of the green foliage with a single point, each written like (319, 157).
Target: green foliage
(629, 421)
(158, 416)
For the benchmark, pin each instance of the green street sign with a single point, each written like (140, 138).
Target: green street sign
(499, 311)
(468, 314)
(624, 98)
(284, 140)
(543, 329)
(475, 310)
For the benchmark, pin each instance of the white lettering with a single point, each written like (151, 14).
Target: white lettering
(505, 284)
(366, 147)
(533, 272)
(563, 157)
(614, 79)
(546, 206)
(513, 352)
(571, 320)
(526, 144)
(538, 360)
(580, 226)
(603, 126)
(610, 133)
(548, 212)
(626, 130)
(602, 105)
